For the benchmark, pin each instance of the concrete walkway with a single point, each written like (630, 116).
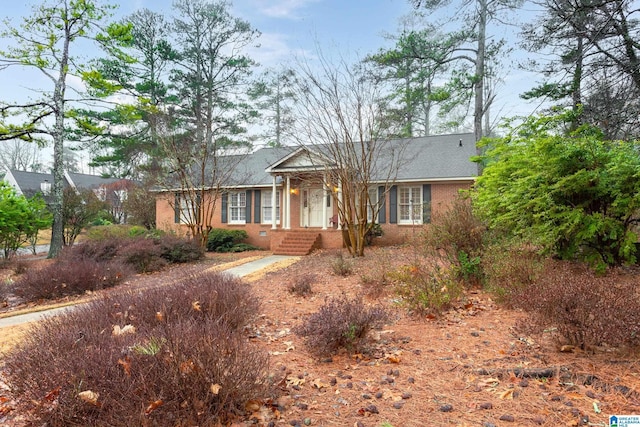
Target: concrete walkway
(239, 271)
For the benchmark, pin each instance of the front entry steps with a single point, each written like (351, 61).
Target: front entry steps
(298, 243)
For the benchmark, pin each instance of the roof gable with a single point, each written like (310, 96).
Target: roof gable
(301, 160)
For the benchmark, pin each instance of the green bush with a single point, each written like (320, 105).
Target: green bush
(222, 240)
(427, 289)
(20, 219)
(178, 250)
(106, 232)
(575, 195)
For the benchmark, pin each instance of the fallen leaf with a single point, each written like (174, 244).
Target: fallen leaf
(253, 405)
(126, 365)
(567, 349)
(90, 397)
(187, 367)
(127, 329)
(507, 394)
(319, 384)
(196, 306)
(153, 406)
(291, 380)
(489, 382)
(596, 409)
(392, 358)
(388, 394)
(215, 388)
(52, 394)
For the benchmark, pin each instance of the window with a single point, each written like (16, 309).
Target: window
(267, 208)
(184, 213)
(101, 193)
(238, 207)
(410, 205)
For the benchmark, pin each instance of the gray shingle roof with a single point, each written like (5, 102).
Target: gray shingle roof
(424, 158)
(29, 182)
(441, 157)
(82, 180)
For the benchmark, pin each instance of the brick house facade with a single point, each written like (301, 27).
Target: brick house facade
(291, 179)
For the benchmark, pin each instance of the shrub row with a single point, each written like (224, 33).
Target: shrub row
(99, 264)
(165, 357)
(221, 240)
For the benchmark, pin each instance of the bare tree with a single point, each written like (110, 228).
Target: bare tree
(340, 118)
(21, 155)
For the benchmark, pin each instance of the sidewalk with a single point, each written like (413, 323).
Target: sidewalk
(238, 271)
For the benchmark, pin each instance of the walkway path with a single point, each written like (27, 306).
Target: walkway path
(239, 271)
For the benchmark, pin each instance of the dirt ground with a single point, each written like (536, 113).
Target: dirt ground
(469, 367)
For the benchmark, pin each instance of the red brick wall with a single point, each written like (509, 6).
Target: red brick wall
(261, 235)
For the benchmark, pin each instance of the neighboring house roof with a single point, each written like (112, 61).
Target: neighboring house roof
(30, 183)
(81, 180)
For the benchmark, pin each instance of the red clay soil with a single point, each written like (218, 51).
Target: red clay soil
(469, 367)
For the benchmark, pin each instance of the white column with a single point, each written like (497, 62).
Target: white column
(274, 193)
(325, 219)
(287, 216)
(341, 203)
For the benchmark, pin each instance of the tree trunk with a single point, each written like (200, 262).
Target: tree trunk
(57, 229)
(478, 110)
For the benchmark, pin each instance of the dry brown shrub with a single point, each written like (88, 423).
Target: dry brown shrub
(586, 309)
(165, 357)
(341, 323)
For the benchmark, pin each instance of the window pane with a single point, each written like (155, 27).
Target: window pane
(267, 208)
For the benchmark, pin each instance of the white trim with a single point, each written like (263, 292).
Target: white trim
(273, 200)
(412, 205)
(242, 219)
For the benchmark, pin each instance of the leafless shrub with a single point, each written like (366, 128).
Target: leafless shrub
(341, 266)
(340, 323)
(165, 357)
(509, 266)
(69, 277)
(586, 309)
(457, 236)
(301, 285)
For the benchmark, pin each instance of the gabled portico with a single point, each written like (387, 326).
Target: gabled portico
(306, 193)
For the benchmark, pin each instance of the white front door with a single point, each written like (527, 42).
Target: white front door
(313, 202)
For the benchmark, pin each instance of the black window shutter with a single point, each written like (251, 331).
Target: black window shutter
(426, 203)
(256, 209)
(198, 208)
(382, 203)
(176, 208)
(393, 205)
(248, 207)
(223, 207)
